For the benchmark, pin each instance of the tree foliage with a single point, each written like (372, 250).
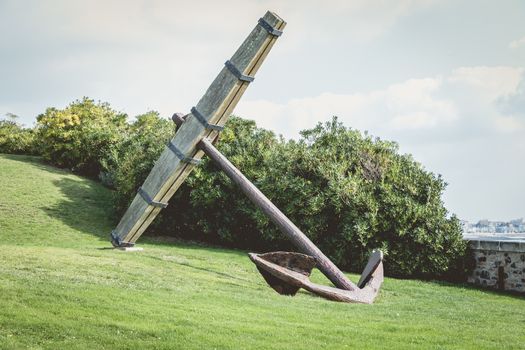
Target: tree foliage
(81, 135)
(131, 160)
(15, 138)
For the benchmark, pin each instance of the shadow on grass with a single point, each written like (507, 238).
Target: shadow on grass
(208, 270)
(86, 208)
(36, 162)
(472, 287)
(162, 240)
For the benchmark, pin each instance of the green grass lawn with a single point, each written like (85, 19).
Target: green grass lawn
(62, 288)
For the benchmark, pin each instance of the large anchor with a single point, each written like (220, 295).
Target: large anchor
(285, 272)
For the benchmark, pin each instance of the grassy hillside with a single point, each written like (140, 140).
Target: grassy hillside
(62, 288)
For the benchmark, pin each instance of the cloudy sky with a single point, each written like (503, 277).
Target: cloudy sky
(445, 79)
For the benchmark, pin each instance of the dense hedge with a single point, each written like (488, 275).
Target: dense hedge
(80, 136)
(349, 192)
(127, 166)
(15, 138)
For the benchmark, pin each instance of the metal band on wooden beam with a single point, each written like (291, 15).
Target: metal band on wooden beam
(268, 27)
(181, 155)
(204, 122)
(115, 239)
(147, 198)
(118, 242)
(235, 71)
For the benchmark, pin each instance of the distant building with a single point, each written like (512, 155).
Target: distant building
(486, 226)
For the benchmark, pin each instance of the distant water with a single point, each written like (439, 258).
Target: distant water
(510, 237)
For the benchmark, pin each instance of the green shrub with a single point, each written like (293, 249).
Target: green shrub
(131, 160)
(349, 192)
(80, 136)
(16, 139)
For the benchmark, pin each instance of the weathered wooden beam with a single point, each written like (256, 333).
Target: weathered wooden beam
(215, 107)
(292, 232)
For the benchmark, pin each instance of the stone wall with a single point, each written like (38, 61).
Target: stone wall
(499, 264)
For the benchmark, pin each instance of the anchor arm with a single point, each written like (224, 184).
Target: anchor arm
(296, 236)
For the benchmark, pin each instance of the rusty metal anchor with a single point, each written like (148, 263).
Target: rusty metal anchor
(286, 272)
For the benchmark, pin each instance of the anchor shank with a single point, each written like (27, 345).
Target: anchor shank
(298, 238)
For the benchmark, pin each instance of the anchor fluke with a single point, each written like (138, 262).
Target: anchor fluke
(297, 262)
(286, 272)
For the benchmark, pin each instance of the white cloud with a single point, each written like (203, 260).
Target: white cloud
(517, 43)
(408, 105)
(137, 54)
(467, 96)
(414, 105)
(514, 104)
(359, 20)
(509, 124)
(489, 82)
(127, 22)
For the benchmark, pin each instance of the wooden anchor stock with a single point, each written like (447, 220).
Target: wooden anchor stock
(206, 120)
